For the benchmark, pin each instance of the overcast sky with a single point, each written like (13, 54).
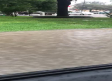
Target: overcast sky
(106, 1)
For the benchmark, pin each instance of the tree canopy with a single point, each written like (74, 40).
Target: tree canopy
(9, 6)
(93, 6)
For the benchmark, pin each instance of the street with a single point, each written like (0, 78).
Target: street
(54, 49)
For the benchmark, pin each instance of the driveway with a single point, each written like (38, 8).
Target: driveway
(54, 49)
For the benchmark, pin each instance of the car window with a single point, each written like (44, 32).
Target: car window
(40, 35)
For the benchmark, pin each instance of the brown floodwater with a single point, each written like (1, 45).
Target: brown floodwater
(54, 49)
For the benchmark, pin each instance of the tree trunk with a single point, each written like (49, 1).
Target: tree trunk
(62, 10)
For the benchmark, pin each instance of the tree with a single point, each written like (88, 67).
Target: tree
(62, 9)
(93, 6)
(45, 5)
(9, 6)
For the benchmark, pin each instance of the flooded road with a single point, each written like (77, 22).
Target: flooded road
(54, 49)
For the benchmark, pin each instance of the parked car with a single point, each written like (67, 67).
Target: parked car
(34, 14)
(102, 12)
(38, 13)
(80, 13)
(94, 12)
(75, 13)
(1, 14)
(87, 13)
(98, 12)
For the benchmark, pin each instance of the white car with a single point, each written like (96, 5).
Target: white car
(38, 13)
(87, 13)
(80, 13)
(34, 14)
(75, 13)
(1, 14)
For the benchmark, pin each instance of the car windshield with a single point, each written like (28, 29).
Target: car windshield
(37, 37)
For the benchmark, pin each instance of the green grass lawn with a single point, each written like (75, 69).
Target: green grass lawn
(33, 24)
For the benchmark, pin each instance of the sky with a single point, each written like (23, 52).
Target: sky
(106, 1)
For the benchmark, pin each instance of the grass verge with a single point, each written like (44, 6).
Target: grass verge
(33, 24)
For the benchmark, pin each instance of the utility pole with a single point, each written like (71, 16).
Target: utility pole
(75, 1)
(83, 5)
